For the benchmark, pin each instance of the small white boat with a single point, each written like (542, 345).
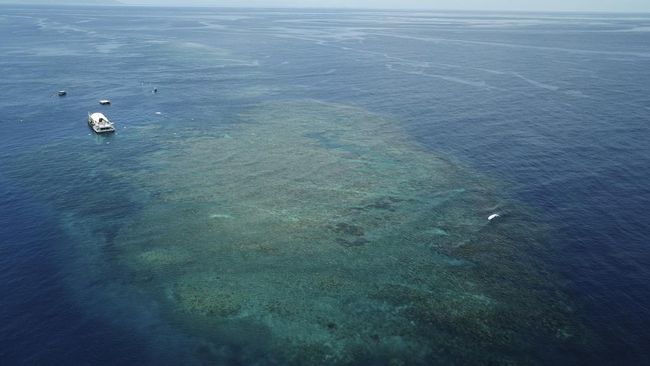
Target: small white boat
(62, 93)
(105, 102)
(99, 123)
(493, 216)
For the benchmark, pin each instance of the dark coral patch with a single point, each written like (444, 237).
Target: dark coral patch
(352, 243)
(348, 229)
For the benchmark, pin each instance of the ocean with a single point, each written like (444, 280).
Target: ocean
(313, 187)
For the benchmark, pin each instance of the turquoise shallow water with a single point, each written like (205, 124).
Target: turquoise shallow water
(314, 187)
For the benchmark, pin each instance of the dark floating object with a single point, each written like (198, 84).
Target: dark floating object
(155, 90)
(62, 93)
(105, 102)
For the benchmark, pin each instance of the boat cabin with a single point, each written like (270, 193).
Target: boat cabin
(100, 123)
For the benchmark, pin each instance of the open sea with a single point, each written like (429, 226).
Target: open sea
(312, 187)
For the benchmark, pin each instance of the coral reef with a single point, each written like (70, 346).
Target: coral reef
(326, 226)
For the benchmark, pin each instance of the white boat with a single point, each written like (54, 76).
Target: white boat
(62, 93)
(99, 123)
(105, 102)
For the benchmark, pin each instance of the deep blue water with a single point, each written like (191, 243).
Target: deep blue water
(553, 107)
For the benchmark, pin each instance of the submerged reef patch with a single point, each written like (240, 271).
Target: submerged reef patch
(344, 240)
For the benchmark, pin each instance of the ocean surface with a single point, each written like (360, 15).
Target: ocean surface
(312, 187)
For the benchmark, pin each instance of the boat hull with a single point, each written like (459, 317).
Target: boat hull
(99, 130)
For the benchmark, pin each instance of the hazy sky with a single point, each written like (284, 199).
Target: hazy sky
(539, 5)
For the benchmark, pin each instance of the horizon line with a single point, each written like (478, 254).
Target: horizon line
(307, 7)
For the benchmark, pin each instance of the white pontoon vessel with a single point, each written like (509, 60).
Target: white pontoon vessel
(99, 123)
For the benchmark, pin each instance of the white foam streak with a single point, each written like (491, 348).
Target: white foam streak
(513, 45)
